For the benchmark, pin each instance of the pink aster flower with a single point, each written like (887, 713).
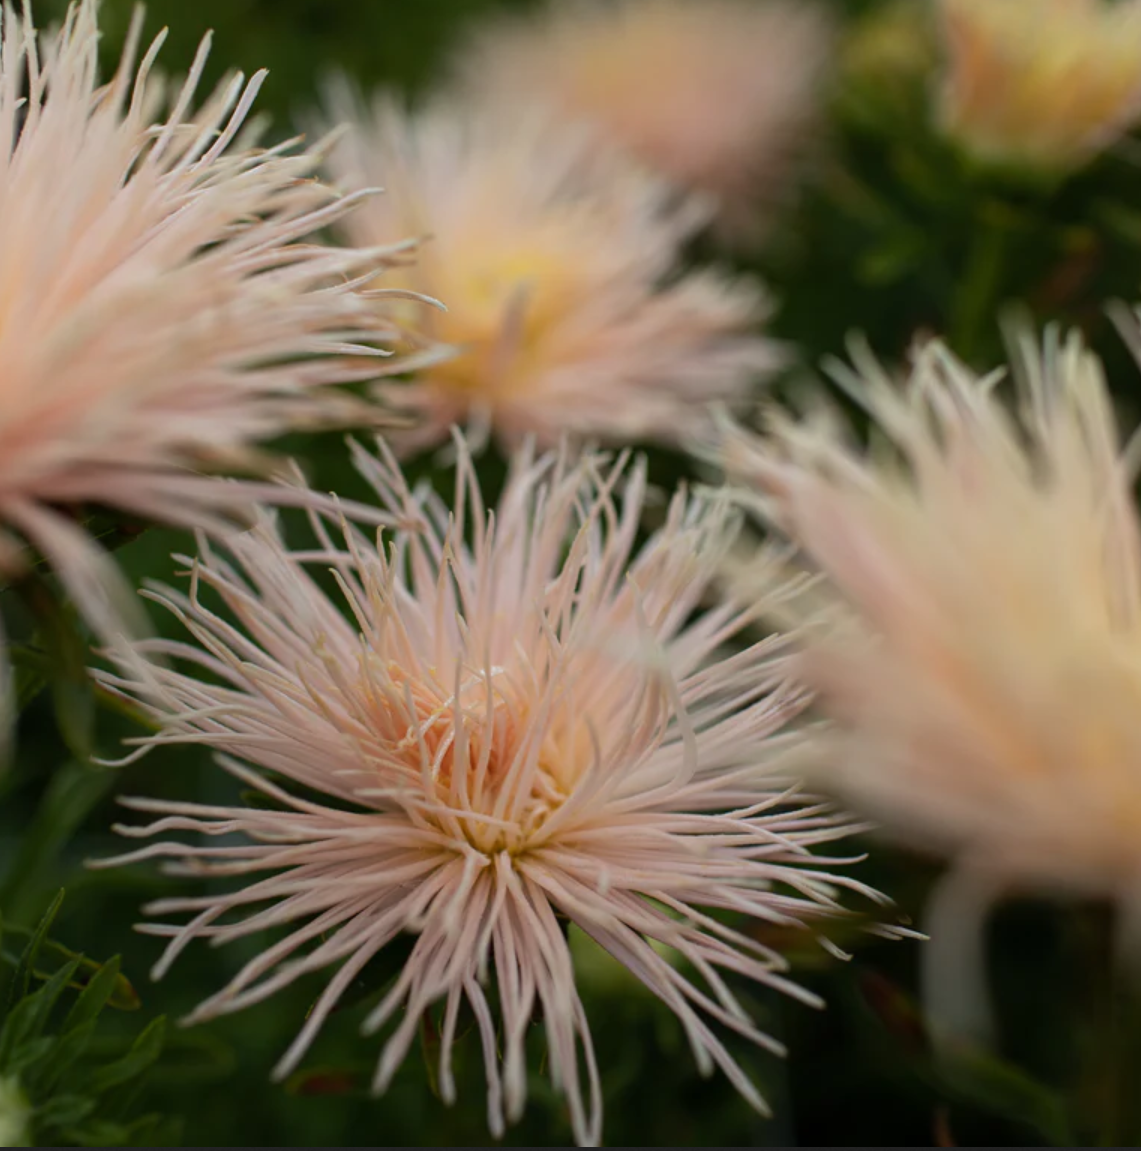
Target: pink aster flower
(159, 312)
(720, 96)
(974, 630)
(567, 308)
(506, 721)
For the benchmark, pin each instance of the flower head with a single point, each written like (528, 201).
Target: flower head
(1040, 83)
(718, 95)
(559, 269)
(159, 312)
(975, 630)
(520, 723)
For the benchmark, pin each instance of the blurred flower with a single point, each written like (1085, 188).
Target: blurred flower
(511, 733)
(977, 636)
(717, 95)
(158, 312)
(559, 271)
(15, 1114)
(1041, 83)
(974, 633)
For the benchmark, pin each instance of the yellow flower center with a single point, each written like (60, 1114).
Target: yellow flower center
(508, 300)
(490, 745)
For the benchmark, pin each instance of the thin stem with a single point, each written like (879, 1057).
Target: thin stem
(954, 972)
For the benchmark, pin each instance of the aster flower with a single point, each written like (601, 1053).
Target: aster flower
(159, 312)
(1040, 83)
(566, 306)
(719, 96)
(521, 723)
(974, 628)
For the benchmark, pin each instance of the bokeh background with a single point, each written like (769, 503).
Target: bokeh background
(883, 238)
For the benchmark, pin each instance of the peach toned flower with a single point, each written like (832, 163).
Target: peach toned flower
(159, 310)
(1043, 83)
(977, 634)
(559, 268)
(720, 96)
(973, 631)
(508, 722)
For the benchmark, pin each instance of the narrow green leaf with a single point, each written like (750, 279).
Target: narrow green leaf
(28, 1054)
(123, 996)
(25, 969)
(144, 1051)
(66, 1052)
(94, 996)
(27, 1020)
(63, 1110)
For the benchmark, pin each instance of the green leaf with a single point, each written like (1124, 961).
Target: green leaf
(28, 1054)
(144, 1051)
(64, 1110)
(29, 1017)
(95, 995)
(25, 969)
(65, 1054)
(65, 663)
(29, 682)
(991, 1084)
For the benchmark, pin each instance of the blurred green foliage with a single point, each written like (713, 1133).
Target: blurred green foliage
(892, 235)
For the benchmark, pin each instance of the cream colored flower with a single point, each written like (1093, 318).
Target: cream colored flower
(720, 96)
(559, 268)
(972, 628)
(975, 633)
(160, 307)
(500, 722)
(1041, 83)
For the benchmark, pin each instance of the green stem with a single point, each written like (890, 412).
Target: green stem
(981, 286)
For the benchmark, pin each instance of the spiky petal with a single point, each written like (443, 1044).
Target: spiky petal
(975, 629)
(160, 310)
(522, 721)
(567, 306)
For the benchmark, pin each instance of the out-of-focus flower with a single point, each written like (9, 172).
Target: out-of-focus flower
(974, 630)
(15, 1114)
(521, 722)
(159, 312)
(1040, 83)
(718, 95)
(559, 270)
(977, 635)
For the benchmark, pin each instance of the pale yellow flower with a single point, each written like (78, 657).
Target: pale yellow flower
(567, 306)
(975, 634)
(971, 624)
(718, 95)
(1041, 83)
